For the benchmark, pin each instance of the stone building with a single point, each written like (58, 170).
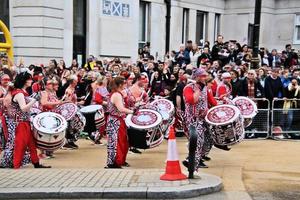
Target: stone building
(66, 29)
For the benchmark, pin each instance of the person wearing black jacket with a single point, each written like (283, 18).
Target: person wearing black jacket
(273, 86)
(250, 82)
(205, 56)
(235, 83)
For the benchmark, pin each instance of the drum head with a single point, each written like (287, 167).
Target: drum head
(165, 115)
(222, 115)
(247, 107)
(145, 119)
(50, 123)
(67, 110)
(164, 104)
(90, 109)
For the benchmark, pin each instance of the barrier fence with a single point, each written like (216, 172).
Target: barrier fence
(286, 118)
(260, 123)
(279, 119)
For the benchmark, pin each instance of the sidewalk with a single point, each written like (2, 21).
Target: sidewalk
(112, 183)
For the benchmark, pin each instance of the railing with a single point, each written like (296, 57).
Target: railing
(260, 127)
(285, 117)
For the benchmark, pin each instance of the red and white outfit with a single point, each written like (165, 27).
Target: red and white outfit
(117, 140)
(224, 92)
(131, 100)
(101, 94)
(195, 112)
(50, 98)
(24, 139)
(3, 133)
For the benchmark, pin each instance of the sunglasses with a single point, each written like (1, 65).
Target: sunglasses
(5, 79)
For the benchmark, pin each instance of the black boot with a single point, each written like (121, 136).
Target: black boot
(225, 147)
(202, 164)
(206, 158)
(113, 166)
(38, 165)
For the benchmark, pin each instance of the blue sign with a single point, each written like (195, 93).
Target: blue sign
(115, 8)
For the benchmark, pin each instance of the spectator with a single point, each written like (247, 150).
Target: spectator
(194, 54)
(251, 87)
(235, 82)
(273, 86)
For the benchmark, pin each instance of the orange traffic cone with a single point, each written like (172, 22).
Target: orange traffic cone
(173, 170)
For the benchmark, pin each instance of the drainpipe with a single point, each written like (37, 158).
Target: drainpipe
(168, 23)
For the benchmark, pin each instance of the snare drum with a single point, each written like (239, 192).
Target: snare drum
(49, 130)
(226, 124)
(144, 129)
(93, 118)
(247, 107)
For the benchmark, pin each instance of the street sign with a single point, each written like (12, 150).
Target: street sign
(115, 8)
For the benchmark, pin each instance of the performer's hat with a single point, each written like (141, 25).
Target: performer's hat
(199, 72)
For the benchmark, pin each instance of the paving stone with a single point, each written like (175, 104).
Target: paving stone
(60, 183)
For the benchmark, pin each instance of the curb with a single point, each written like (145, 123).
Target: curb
(205, 185)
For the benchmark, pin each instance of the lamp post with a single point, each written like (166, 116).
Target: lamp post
(255, 43)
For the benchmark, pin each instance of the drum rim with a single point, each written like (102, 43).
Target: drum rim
(255, 110)
(90, 106)
(172, 105)
(157, 123)
(235, 117)
(60, 129)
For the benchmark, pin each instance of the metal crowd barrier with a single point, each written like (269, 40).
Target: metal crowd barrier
(285, 119)
(260, 127)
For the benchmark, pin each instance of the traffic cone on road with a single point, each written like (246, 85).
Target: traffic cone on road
(173, 170)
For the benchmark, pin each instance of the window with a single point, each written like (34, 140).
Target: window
(297, 30)
(217, 25)
(4, 16)
(201, 27)
(144, 23)
(185, 25)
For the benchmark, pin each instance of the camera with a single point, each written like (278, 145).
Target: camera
(3, 55)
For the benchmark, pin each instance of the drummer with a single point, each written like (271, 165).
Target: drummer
(49, 100)
(117, 147)
(101, 97)
(5, 81)
(224, 88)
(70, 96)
(135, 96)
(20, 134)
(197, 99)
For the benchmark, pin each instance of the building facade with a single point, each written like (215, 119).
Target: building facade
(46, 29)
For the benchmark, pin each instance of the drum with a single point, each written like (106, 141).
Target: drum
(99, 119)
(33, 113)
(167, 110)
(226, 124)
(144, 129)
(49, 130)
(93, 113)
(77, 123)
(67, 110)
(247, 107)
(164, 104)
